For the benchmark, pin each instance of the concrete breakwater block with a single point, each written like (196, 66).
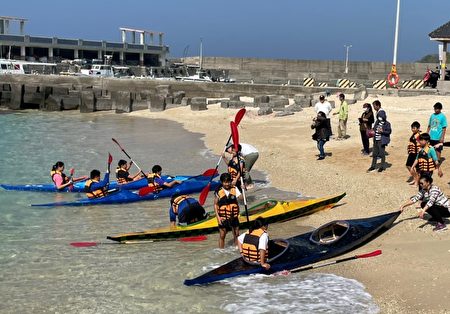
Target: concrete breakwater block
(70, 103)
(261, 100)
(122, 101)
(17, 92)
(264, 111)
(178, 97)
(235, 97)
(276, 97)
(279, 103)
(198, 107)
(186, 101)
(103, 104)
(87, 101)
(225, 104)
(351, 101)
(284, 114)
(59, 91)
(198, 101)
(164, 90)
(157, 103)
(302, 102)
(300, 97)
(52, 103)
(294, 108)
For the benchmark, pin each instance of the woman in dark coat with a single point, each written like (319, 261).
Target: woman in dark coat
(365, 123)
(322, 133)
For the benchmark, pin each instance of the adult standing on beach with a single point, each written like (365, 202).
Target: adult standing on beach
(433, 201)
(250, 155)
(324, 106)
(365, 123)
(343, 117)
(437, 126)
(382, 137)
(321, 134)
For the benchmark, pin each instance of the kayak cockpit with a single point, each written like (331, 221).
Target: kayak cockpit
(330, 232)
(277, 247)
(260, 208)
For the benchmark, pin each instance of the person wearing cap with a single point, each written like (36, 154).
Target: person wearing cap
(343, 117)
(437, 126)
(250, 155)
(381, 139)
(323, 105)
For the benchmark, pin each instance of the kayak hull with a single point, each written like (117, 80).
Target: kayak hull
(304, 251)
(126, 196)
(78, 187)
(272, 211)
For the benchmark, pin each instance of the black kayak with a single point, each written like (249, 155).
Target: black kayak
(330, 240)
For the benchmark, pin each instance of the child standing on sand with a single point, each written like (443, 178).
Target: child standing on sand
(426, 160)
(413, 148)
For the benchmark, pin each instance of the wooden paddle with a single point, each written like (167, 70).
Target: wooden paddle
(235, 135)
(150, 189)
(188, 239)
(371, 254)
(204, 194)
(120, 146)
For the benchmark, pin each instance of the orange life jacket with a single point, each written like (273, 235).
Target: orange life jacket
(96, 193)
(425, 162)
(177, 201)
(250, 245)
(151, 181)
(122, 180)
(413, 145)
(228, 205)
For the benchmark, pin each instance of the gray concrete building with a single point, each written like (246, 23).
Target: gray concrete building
(20, 46)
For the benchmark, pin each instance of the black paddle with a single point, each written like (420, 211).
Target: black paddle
(115, 141)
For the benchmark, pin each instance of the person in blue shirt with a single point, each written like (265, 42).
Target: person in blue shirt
(186, 208)
(94, 188)
(437, 126)
(154, 179)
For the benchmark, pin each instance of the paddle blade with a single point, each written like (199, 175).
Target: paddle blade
(115, 141)
(234, 135)
(239, 115)
(83, 244)
(110, 159)
(210, 173)
(146, 190)
(72, 171)
(374, 253)
(204, 194)
(194, 239)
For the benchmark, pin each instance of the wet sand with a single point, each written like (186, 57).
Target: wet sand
(412, 275)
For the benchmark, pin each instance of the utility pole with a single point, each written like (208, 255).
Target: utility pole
(347, 47)
(393, 77)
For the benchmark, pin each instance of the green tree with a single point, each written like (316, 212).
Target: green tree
(432, 58)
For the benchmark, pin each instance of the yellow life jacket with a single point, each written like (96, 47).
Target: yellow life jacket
(228, 205)
(63, 176)
(151, 181)
(177, 201)
(425, 162)
(96, 193)
(250, 245)
(413, 146)
(122, 180)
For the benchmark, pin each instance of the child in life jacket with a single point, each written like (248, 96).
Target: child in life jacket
(254, 244)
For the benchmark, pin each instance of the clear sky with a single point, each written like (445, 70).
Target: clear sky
(297, 29)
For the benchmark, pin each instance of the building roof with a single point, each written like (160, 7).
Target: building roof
(442, 32)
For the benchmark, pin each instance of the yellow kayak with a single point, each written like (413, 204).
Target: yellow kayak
(271, 210)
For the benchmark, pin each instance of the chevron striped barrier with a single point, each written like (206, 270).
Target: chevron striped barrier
(413, 84)
(379, 84)
(309, 82)
(323, 84)
(345, 83)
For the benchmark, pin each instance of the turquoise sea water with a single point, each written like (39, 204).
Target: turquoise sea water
(40, 271)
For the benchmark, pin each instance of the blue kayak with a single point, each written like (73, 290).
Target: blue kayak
(126, 196)
(78, 187)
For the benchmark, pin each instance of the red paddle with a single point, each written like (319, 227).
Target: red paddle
(188, 239)
(149, 189)
(371, 254)
(72, 171)
(204, 194)
(235, 135)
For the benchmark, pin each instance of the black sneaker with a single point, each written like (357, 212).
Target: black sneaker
(321, 158)
(381, 169)
(371, 169)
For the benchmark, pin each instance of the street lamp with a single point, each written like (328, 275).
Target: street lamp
(347, 47)
(393, 77)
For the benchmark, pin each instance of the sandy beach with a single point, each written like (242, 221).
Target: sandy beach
(412, 275)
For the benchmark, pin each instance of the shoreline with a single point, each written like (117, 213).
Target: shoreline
(412, 274)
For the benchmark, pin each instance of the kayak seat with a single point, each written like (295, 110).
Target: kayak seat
(260, 207)
(330, 232)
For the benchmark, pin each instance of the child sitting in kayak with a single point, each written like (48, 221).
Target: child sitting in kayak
(122, 174)
(227, 209)
(254, 244)
(186, 208)
(154, 179)
(95, 188)
(60, 179)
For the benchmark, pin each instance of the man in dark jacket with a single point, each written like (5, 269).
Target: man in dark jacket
(381, 139)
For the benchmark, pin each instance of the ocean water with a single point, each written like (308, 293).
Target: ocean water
(41, 273)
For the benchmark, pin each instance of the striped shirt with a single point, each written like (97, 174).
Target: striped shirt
(377, 133)
(434, 196)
